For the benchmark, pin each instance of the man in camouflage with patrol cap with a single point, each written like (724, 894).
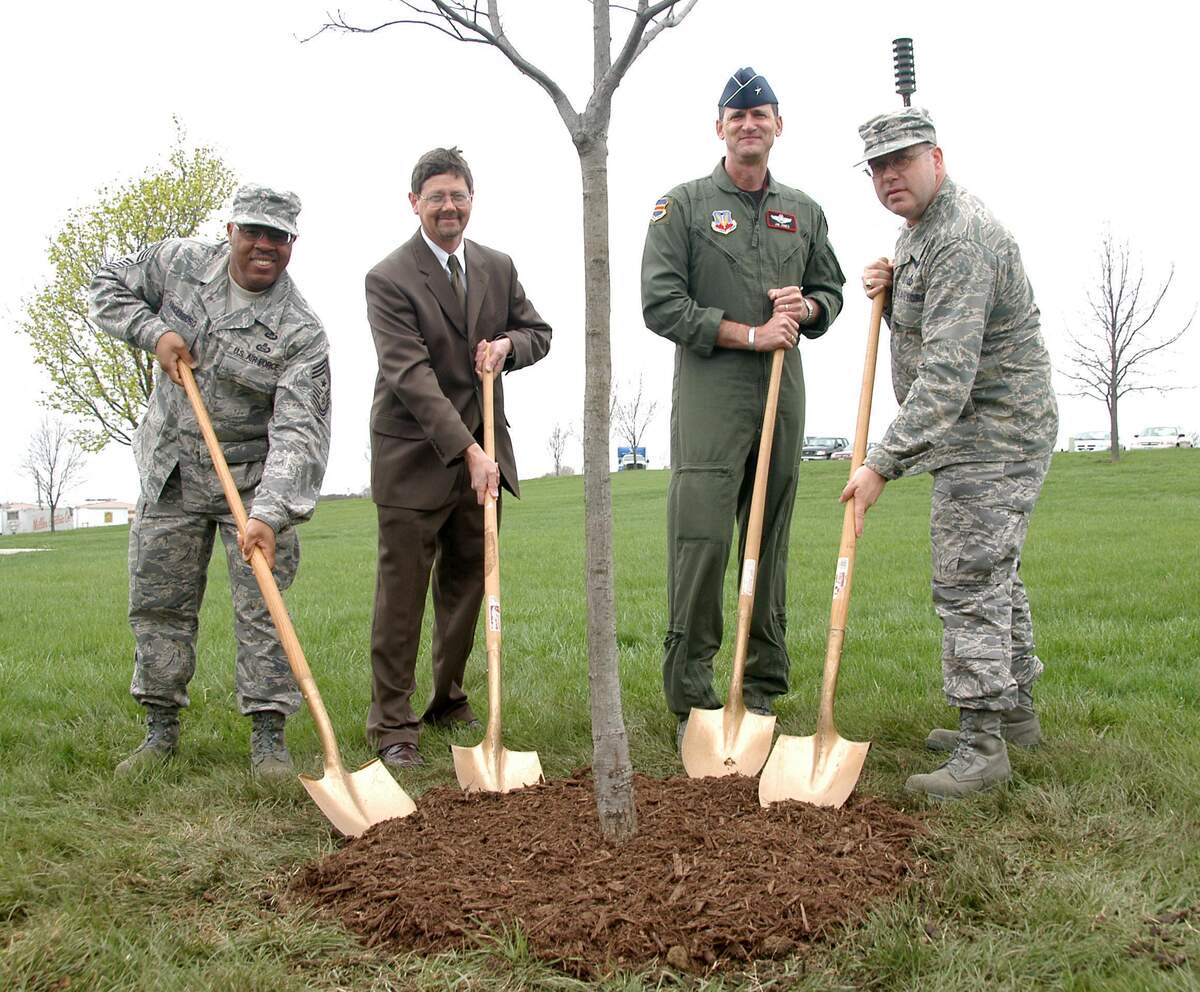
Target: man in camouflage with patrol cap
(261, 362)
(977, 409)
(736, 266)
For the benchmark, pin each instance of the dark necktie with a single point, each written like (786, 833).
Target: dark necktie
(456, 282)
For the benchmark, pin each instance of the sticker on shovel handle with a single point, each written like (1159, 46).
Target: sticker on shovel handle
(493, 613)
(748, 577)
(839, 578)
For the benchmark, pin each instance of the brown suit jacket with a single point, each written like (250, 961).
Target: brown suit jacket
(428, 399)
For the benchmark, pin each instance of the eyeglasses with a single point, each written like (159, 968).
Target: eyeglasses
(439, 199)
(256, 232)
(899, 161)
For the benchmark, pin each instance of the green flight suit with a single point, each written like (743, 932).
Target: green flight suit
(712, 252)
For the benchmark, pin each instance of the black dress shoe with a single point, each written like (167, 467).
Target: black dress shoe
(403, 755)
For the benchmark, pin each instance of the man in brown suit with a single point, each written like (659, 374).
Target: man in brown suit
(442, 310)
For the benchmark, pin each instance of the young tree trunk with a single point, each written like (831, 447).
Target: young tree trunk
(611, 767)
(1114, 439)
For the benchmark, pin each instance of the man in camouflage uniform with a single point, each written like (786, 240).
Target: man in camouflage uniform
(977, 409)
(736, 266)
(261, 362)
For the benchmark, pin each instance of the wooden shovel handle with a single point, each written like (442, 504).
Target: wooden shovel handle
(266, 581)
(491, 572)
(844, 575)
(758, 500)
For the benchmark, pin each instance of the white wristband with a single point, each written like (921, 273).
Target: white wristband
(808, 310)
(750, 338)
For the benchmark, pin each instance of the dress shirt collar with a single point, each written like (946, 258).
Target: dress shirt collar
(443, 256)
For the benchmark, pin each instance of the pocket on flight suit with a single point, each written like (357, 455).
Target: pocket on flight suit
(704, 501)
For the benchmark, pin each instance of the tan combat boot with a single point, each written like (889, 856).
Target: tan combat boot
(979, 761)
(162, 740)
(269, 758)
(1020, 726)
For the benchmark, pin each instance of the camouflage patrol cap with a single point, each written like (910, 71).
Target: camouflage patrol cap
(889, 133)
(254, 204)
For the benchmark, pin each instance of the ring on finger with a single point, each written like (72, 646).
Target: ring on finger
(870, 284)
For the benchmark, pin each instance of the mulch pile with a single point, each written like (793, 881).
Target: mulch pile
(711, 880)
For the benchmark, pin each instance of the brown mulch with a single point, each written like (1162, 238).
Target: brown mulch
(711, 879)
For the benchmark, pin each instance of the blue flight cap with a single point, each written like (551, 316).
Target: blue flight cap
(746, 89)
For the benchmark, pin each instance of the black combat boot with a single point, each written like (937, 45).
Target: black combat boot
(162, 740)
(269, 758)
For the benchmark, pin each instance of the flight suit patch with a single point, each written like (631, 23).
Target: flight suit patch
(777, 220)
(723, 222)
(661, 205)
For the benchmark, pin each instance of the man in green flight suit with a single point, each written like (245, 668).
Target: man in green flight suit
(736, 266)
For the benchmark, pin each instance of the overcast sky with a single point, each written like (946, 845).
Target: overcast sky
(1066, 119)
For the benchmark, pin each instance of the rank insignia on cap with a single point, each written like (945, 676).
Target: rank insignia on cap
(777, 220)
(723, 222)
(660, 209)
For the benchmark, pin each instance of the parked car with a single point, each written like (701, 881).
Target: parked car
(818, 448)
(1092, 441)
(1162, 437)
(847, 454)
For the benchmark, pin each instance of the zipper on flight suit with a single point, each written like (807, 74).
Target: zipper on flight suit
(764, 366)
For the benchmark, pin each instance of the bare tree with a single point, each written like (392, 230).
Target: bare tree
(557, 443)
(465, 21)
(54, 462)
(631, 417)
(1108, 357)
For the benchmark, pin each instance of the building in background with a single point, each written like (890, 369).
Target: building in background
(29, 518)
(102, 513)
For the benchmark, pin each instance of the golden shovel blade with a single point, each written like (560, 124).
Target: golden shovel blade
(356, 801)
(821, 770)
(726, 741)
(484, 769)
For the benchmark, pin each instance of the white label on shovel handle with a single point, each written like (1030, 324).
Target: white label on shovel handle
(748, 577)
(839, 578)
(493, 613)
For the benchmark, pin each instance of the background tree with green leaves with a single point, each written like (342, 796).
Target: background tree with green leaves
(96, 379)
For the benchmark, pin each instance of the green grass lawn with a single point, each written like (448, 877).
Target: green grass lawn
(174, 882)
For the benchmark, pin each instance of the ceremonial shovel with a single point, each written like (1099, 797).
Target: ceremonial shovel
(489, 766)
(731, 740)
(353, 801)
(823, 769)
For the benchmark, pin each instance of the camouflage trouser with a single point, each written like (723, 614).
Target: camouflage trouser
(978, 524)
(169, 551)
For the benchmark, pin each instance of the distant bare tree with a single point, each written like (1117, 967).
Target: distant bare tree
(632, 416)
(477, 22)
(1108, 356)
(54, 462)
(557, 444)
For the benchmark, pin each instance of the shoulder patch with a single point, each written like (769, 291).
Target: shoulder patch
(135, 259)
(322, 388)
(661, 206)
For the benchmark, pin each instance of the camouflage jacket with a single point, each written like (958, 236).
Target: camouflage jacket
(263, 371)
(969, 367)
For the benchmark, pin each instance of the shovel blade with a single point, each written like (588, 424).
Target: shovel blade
(724, 742)
(355, 801)
(820, 770)
(484, 769)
